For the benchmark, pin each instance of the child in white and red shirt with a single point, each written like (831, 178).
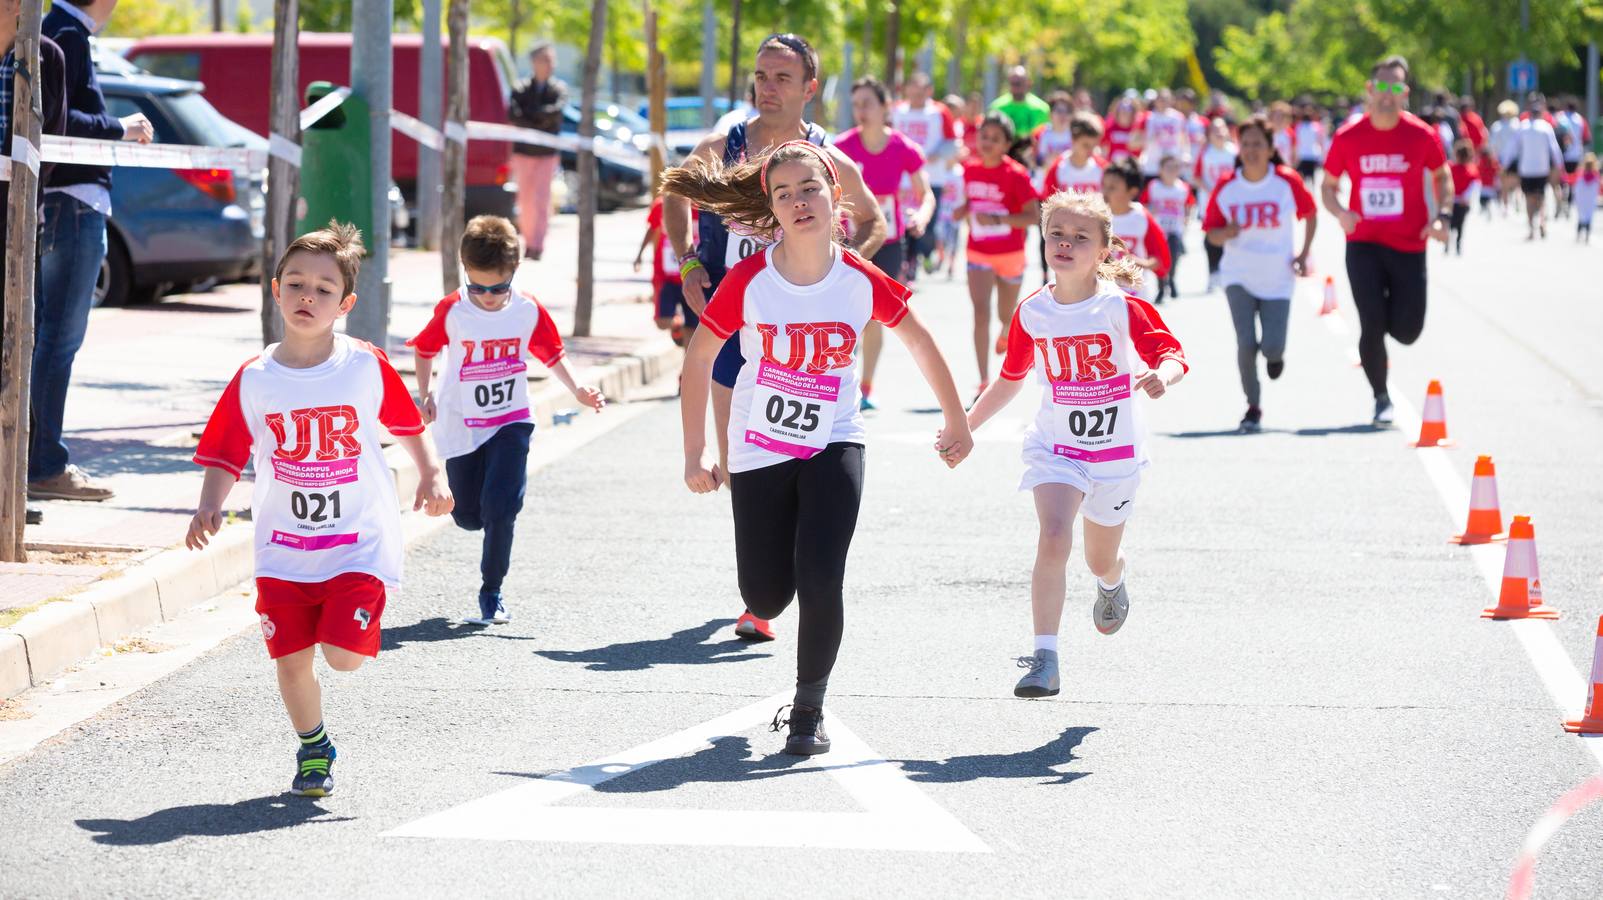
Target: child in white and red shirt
(796, 430)
(309, 411)
(480, 408)
(1171, 202)
(1077, 168)
(1139, 233)
(667, 285)
(1095, 349)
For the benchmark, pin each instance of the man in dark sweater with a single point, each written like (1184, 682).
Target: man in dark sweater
(537, 104)
(50, 85)
(72, 244)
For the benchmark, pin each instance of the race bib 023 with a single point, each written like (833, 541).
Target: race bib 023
(1383, 198)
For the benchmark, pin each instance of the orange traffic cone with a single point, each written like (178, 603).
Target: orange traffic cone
(1330, 296)
(1485, 517)
(1433, 423)
(1521, 596)
(1591, 720)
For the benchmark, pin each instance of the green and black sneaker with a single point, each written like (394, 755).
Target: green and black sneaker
(313, 771)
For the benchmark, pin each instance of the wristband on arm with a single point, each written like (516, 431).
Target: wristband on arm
(689, 265)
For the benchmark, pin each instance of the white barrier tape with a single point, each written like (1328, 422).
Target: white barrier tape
(284, 148)
(323, 107)
(25, 152)
(417, 130)
(492, 131)
(89, 152)
(455, 132)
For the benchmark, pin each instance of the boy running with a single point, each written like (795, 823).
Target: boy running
(328, 526)
(481, 409)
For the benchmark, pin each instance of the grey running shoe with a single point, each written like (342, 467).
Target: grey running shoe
(1111, 608)
(1383, 412)
(1042, 679)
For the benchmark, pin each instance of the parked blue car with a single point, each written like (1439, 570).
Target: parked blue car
(176, 230)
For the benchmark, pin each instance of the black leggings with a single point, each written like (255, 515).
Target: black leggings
(793, 527)
(1389, 291)
(1456, 225)
(1215, 253)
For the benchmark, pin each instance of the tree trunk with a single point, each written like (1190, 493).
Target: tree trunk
(734, 54)
(893, 36)
(657, 92)
(283, 179)
(16, 320)
(453, 177)
(587, 172)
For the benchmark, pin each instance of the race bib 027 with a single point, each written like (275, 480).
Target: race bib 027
(1091, 420)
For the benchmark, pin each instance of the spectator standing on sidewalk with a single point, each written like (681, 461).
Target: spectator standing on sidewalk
(537, 104)
(72, 244)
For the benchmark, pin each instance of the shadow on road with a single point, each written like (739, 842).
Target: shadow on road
(687, 647)
(209, 820)
(439, 628)
(1364, 428)
(1038, 763)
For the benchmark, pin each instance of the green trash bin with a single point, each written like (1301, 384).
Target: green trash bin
(336, 165)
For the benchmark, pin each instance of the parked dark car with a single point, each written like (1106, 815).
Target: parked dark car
(621, 183)
(176, 229)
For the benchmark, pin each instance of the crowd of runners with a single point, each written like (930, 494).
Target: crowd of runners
(782, 254)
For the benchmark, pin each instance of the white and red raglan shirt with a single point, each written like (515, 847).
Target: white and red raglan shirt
(1144, 238)
(1087, 356)
(1213, 164)
(799, 389)
(1259, 258)
(324, 503)
(929, 126)
(1171, 205)
(1063, 175)
(484, 383)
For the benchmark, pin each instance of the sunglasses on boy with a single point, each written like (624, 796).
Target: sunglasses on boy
(1390, 87)
(479, 290)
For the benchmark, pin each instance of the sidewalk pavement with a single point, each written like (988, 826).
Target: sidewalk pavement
(145, 382)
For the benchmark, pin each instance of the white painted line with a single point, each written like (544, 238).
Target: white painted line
(1552, 663)
(895, 814)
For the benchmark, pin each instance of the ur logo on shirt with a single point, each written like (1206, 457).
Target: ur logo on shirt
(1383, 163)
(820, 346)
(335, 428)
(1089, 355)
(493, 348)
(1255, 215)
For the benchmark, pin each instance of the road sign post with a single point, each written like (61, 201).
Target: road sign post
(1522, 77)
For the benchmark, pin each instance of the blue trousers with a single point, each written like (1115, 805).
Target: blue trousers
(488, 485)
(72, 243)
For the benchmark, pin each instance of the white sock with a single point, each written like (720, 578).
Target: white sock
(1046, 642)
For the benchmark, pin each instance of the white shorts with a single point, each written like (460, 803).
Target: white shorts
(1107, 503)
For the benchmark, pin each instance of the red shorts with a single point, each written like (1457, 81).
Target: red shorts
(343, 611)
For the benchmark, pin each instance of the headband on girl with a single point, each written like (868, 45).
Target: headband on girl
(829, 164)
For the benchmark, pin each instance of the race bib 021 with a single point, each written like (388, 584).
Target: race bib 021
(318, 493)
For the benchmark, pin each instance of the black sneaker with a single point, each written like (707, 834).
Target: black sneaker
(313, 772)
(1251, 423)
(1383, 412)
(1274, 368)
(807, 735)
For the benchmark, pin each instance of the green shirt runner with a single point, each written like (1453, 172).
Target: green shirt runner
(1027, 114)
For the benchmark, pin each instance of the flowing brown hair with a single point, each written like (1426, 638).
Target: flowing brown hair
(1123, 270)
(736, 192)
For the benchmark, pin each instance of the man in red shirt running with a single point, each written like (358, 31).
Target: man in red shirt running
(1389, 217)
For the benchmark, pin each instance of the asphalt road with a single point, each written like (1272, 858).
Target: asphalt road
(1305, 701)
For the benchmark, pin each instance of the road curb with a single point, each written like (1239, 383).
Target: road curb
(61, 634)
